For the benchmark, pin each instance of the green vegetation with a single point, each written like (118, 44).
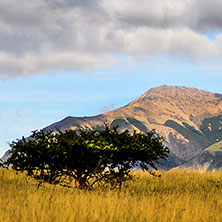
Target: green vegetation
(84, 159)
(139, 125)
(211, 131)
(209, 159)
(190, 133)
(215, 147)
(212, 128)
(214, 156)
(177, 196)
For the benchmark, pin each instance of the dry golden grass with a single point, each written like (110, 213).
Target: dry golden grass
(185, 196)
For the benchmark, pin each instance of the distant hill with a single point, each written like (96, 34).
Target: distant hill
(189, 119)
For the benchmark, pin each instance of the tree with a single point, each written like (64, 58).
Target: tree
(86, 157)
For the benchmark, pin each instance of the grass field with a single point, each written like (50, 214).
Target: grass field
(186, 196)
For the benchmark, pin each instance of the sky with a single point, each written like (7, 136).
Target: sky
(62, 58)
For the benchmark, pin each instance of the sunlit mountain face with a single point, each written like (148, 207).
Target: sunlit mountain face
(189, 120)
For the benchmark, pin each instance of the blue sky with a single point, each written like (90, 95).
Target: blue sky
(82, 58)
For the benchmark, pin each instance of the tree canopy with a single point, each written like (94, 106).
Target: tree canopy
(86, 157)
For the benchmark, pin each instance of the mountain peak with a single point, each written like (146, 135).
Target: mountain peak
(175, 91)
(179, 103)
(189, 119)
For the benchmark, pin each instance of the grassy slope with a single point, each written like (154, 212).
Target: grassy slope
(209, 159)
(215, 147)
(215, 151)
(176, 196)
(211, 131)
(190, 133)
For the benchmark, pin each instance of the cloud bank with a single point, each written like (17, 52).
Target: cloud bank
(48, 35)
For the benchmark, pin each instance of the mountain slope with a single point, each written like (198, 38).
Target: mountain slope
(5, 156)
(208, 159)
(189, 119)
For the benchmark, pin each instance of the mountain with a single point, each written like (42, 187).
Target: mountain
(189, 119)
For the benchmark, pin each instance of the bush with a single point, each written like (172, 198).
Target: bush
(86, 157)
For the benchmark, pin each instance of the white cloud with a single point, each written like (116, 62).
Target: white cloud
(46, 35)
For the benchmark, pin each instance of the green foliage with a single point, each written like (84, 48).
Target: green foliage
(210, 131)
(190, 133)
(86, 157)
(212, 128)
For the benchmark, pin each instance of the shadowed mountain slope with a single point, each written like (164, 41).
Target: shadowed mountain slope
(209, 159)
